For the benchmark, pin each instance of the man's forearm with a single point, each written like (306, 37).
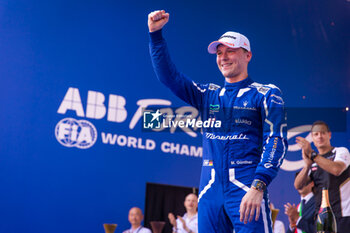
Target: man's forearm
(335, 168)
(302, 177)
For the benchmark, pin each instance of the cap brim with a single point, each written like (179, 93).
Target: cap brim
(213, 45)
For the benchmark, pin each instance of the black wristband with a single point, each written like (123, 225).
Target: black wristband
(313, 155)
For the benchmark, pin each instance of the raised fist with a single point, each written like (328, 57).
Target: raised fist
(157, 20)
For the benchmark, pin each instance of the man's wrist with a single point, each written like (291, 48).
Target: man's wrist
(313, 155)
(308, 164)
(258, 185)
(187, 229)
(156, 36)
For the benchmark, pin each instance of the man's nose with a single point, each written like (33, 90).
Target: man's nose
(224, 56)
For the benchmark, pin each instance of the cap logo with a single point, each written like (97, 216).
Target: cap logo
(227, 36)
(231, 44)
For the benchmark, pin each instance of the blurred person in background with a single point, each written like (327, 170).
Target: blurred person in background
(189, 222)
(328, 167)
(135, 219)
(302, 217)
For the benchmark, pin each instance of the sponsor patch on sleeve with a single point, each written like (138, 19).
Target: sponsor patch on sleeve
(277, 99)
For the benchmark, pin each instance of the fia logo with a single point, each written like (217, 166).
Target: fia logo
(76, 133)
(245, 103)
(152, 120)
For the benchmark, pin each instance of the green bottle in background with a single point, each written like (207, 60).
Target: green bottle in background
(326, 220)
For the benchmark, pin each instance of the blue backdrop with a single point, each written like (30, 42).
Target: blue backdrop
(89, 61)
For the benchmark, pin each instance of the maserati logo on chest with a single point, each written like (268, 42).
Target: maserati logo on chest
(244, 107)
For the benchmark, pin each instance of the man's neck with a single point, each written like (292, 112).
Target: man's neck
(237, 78)
(324, 150)
(307, 197)
(191, 213)
(304, 195)
(134, 227)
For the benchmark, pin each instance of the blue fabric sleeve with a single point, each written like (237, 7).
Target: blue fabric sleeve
(183, 87)
(275, 143)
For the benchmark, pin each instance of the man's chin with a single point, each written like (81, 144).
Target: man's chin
(322, 146)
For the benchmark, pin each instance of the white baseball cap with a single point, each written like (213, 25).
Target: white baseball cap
(230, 39)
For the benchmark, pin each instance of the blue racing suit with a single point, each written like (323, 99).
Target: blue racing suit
(250, 144)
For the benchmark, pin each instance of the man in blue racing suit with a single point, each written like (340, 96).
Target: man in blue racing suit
(242, 157)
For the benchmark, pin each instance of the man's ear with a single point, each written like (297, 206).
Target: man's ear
(249, 55)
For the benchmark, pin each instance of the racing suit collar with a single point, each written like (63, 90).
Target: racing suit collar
(244, 82)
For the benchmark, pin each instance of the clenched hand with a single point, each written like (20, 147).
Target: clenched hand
(157, 20)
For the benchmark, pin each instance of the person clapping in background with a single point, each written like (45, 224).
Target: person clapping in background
(302, 217)
(189, 222)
